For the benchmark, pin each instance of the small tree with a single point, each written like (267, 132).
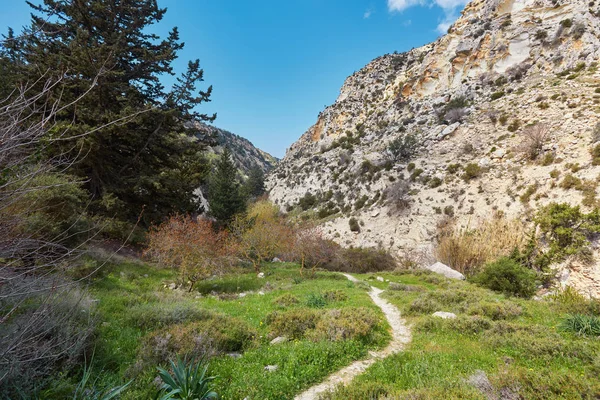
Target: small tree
(262, 234)
(191, 246)
(402, 148)
(224, 193)
(311, 249)
(254, 187)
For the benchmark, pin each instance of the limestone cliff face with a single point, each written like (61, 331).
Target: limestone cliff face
(468, 98)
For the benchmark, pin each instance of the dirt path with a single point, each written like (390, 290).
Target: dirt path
(400, 337)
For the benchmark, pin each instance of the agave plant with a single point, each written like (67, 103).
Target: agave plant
(188, 382)
(87, 390)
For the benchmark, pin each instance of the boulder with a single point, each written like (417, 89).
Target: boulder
(445, 270)
(271, 368)
(444, 315)
(380, 279)
(276, 260)
(261, 275)
(278, 340)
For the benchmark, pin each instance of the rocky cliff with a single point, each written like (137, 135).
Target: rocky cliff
(245, 155)
(488, 119)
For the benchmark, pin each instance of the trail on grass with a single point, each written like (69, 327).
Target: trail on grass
(400, 337)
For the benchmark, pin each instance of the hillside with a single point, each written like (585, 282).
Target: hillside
(245, 154)
(497, 117)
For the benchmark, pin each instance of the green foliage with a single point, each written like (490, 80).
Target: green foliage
(584, 325)
(497, 95)
(509, 277)
(315, 300)
(286, 300)
(567, 231)
(188, 382)
(361, 260)
(354, 225)
(255, 184)
(472, 171)
(86, 389)
(403, 148)
(292, 324)
(53, 207)
(150, 157)
(595, 152)
(224, 192)
(308, 201)
(570, 181)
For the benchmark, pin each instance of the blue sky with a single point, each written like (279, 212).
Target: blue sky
(275, 64)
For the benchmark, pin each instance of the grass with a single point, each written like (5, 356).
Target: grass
(135, 306)
(530, 349)
(518, 343)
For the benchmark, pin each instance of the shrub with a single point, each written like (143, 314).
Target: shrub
(496, 310)
(509, 277)
(286, 300)
(346, 324)
(335, 295)
(472, 171)
(570, 300)
(595, 152)
(583, 325)
(404, 288)
(403, 148)
(307, 201)
(158, 315)
(354, 225)
(316, 301)
(292, 324)
(535, 137)
(570, 181)
(578, 30)
(497, 95)
(398, 195)
(218, 334)
(362, 260)
(567, 231)
(466, 250)
(191, 246)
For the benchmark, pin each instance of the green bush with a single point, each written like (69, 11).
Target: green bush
(509, 277)
(335, 295)
(286, 300)
(292, 324)
(218, 334)
(403, 148)
(496, 310)
(158, 315)
(472, 171)
(354, 225)
(595, 152)
(567, 231)
(316, 300)
(361, 260)
(346, 324)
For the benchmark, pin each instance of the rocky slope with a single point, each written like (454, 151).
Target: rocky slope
(245, 154)
(500, 110)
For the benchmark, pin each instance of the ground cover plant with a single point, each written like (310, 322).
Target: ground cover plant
(496, 347)
(144, 325)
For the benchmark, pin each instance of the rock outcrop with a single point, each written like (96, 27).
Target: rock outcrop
(445, 130)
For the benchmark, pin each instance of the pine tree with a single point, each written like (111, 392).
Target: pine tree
(225, 196)
(102, 49)
(255, 185)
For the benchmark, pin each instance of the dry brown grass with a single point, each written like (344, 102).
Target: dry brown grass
(467, 250)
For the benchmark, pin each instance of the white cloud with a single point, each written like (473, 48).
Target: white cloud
(401, 5)
(368, 14)
(450, 7)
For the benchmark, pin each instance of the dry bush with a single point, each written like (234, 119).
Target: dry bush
(192, 246)
(398, 195)
(310, 249)
(262, 235)
(535, 137)
(467, 250)
(456, 115)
